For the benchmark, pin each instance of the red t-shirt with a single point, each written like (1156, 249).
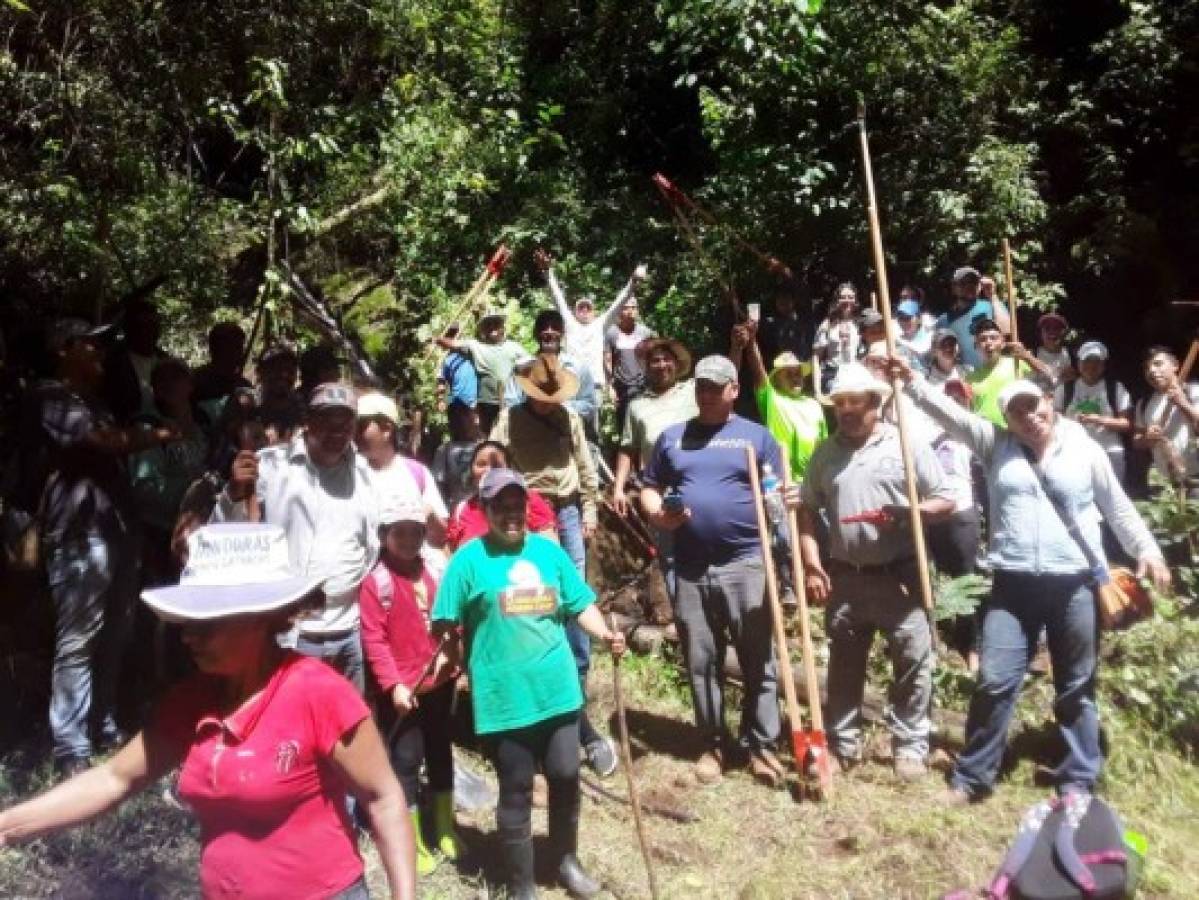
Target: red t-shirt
(395, 625)
(272, 810)
(469, 521)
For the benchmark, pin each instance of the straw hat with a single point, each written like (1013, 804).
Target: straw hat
(232, 570)
(788, 360)
(671, 346)
(548, 380)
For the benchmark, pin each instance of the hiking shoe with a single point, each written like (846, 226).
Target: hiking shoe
(765, 768)
(910, 768)
(709, 768)
(601, 756)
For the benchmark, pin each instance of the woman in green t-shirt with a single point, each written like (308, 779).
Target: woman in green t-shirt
(512, 593)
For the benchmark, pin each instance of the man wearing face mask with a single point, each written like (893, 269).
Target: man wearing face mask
(321, 492)
(872, 582)
(1044, 474)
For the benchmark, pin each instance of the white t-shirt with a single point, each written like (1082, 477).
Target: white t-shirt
(399, 480)
(955, 458)
(1177, 429)
(1058, 361)
(1092, 399)
(837, 342)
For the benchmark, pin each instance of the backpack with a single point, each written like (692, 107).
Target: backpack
(1066, 848)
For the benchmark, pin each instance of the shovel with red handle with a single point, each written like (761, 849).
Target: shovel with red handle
(812, 744)
(800, 740)
(877, 517)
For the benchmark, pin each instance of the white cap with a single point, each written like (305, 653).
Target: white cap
(395, 507)
(1092, 350)
(855, 378)
(377, 404)
(1021, 388)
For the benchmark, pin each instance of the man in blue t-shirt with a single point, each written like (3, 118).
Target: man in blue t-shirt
(719, 591)
(460, 378)
(967, 307)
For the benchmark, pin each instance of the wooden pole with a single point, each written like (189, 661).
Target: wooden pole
(798, 745)
(905, 441)
(626, 751)
(1010, 282)
(816, 739)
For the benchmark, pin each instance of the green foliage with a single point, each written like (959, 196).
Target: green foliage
(960, 596)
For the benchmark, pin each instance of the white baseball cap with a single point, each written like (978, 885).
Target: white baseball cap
(1020, 388)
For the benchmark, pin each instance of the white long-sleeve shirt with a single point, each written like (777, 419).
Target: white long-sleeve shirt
(1027, 534)
(585, 341)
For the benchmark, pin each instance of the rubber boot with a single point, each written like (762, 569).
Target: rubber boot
(443, 826)
(426, 862)
(517, 846)
(564, 838)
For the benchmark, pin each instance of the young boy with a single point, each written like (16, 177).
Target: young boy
(1168, 421)
(1100, 404)
(494, 357)
(415, 677)
(451, 462)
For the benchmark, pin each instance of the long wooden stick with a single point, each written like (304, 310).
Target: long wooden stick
(626, 751)
(776, 615)
(1010, 281)
(479, 290)
(905, 441)
(816, 738)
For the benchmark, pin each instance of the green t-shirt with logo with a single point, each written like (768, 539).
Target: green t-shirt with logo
(513, 605)
(988, 383)
(796, 422)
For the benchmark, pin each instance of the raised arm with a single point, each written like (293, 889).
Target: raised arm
(558, 294)
(975, 432)
(636, 278)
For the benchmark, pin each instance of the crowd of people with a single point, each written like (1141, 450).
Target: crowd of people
(337, 594)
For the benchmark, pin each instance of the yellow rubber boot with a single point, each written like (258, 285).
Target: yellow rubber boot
(443, 825)
(426, 861)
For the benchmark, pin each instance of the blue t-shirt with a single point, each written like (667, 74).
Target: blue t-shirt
(707, 464)
(960, 326)
(458, 371)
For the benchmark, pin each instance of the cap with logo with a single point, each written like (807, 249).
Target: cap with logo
(333, 395)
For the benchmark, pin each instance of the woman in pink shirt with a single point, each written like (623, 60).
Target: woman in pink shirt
(468, 520)
(268, 742)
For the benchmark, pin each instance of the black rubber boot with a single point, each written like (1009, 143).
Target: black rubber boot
(564, 838)
(517, 845)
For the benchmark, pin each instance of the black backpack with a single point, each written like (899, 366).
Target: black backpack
(1067, 848)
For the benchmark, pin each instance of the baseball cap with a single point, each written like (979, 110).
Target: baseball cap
(983, 323)
(869, 318)
(1092, 350)
(495, 480)
(397, 508)
(64, 331)
(332, 395)
(716, 369)
(908, 308)
(966, 273)
(1052, 319)
(377, 404)
(1021, 388)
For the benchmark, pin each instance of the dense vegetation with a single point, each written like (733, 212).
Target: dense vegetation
(383, 147)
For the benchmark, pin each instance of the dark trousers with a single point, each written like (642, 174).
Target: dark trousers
(552, 746)
(423, 736)
(953, 545)
(488, 413)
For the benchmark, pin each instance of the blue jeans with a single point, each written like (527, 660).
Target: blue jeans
(1021, 605)
(343, 653)
(93, 582)
(570, 535)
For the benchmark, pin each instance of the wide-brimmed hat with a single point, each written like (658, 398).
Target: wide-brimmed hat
(788, 360)
(232, 569)
(855, 378)
(670, 345)
(548, 380)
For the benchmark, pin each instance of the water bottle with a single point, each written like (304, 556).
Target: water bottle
(772, 497)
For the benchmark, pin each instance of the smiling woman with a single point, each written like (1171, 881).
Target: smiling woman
(273, 813)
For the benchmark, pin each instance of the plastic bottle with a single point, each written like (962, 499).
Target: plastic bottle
(772, 497)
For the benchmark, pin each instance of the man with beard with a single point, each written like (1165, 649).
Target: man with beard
(872, 582)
